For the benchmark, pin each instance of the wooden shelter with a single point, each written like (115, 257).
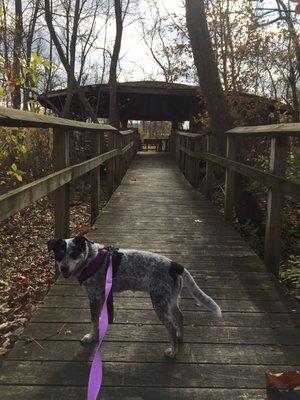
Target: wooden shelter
(146, 100)
(160, 101)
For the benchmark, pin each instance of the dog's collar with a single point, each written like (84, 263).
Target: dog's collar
(94, 266)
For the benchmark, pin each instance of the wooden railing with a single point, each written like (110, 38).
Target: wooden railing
(188, 149)
(122, 146)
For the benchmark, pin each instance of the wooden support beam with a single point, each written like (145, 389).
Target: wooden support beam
(95, 178)
(229, 179)
(209, 175)
(278, 158)
(111, 165)
(20, 118)
(62, 194)
(17, 199)
(288, 187)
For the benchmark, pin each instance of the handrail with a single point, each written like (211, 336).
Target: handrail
(122, 148)
(19, 118)
(18, 199)
(126, 132)
(191, 134)
(276, 182)
(275, 130)
(187, 150)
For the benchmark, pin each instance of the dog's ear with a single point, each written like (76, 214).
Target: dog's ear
(80, 240)
(52, 243)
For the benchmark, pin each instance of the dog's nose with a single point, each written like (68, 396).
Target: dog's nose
(64, 269)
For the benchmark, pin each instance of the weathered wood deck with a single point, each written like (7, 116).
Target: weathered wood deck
(156, 209)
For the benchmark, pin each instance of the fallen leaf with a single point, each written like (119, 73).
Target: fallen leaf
(283, 380)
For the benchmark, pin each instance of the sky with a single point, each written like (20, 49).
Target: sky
(137, 62)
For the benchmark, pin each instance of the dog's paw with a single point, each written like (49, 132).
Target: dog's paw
(88, 338)
(170, 353)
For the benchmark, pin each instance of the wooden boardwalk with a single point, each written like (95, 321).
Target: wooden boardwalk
(156, 209)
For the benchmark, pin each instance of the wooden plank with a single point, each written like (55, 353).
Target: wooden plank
(127, 132)
(95, 179)
(215, 293)
(192, 135)
(148, 317)
(61, 160)
(288, 187)
(20, 118)
(138, 374)
(218, 355)
(17, 199)
(111, 165)
(185, 304)
(157, 333)
(152, 352)
(272, 249)
(229, 180)
(209, 173)
(283, 130)
(9, 392)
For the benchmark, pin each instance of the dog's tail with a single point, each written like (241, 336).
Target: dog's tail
(199, 294)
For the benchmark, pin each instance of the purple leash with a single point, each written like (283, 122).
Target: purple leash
(95, 379)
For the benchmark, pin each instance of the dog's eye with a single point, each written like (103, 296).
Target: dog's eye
(73, 255)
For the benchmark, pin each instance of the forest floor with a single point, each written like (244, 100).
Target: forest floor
(27, 270)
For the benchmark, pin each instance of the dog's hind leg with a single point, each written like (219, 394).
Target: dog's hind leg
(178, 316)
(92, 336)
(162, 308)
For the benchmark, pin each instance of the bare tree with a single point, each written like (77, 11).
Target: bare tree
(69, 62)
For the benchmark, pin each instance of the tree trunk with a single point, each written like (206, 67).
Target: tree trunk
(29, 40)
(211, 88)
(292, 31)
(16, 95)
(114, 118)
(246, 205)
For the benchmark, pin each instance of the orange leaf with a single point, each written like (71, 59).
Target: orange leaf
(283, 380)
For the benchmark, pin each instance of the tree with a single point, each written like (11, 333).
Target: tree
(68, 59)
(113, 104)
(16, 70)
(211, 88)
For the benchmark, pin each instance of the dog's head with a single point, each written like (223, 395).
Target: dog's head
(71, 254)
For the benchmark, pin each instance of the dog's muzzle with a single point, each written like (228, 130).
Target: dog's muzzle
(65, 271)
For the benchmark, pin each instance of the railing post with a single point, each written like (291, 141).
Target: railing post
(95, 178)
(182, 154)
(123, 162)
(61, 196)
(176, 148)
(196, 164)
(110, 164)
(118, 159)
(209, 175)
(278, 158)
(229, 180)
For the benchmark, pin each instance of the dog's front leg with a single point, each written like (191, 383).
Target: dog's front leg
(95, 307)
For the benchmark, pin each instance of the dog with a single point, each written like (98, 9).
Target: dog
(136, 270)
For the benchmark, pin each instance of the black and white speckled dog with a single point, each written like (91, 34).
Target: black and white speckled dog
(136, 270)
